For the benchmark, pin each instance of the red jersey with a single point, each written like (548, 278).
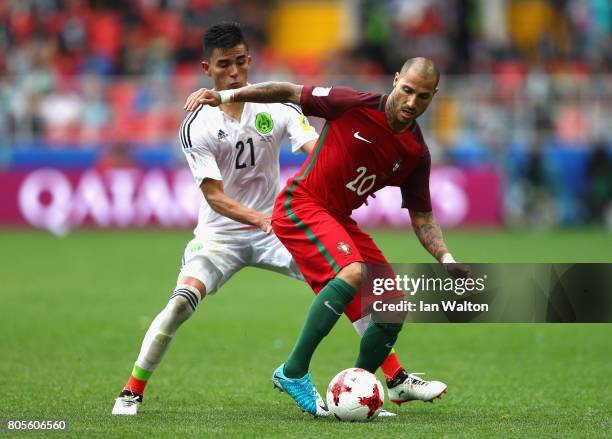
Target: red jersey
(358, 153)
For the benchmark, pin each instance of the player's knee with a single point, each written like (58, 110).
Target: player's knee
(190, 283)
(352, 274)
(389, 314)
(183, 301)
(179, 306)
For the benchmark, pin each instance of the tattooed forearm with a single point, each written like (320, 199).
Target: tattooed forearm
(429, 233)
(269, 92)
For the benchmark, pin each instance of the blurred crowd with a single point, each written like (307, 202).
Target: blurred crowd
(520, 78)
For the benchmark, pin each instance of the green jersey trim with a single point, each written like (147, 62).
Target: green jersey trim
(295, 219)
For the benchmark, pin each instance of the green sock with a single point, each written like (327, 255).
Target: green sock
(376, 343)
(323, 314)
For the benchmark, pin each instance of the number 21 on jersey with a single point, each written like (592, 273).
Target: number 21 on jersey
(240, 162)
(362, 184)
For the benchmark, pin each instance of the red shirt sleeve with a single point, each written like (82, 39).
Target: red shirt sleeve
(415, 189)
(331, 102)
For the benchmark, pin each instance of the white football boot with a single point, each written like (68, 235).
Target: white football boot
(127, 403)
(412, 388)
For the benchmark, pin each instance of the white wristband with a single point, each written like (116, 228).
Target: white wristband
(226, 96)
(448, 259)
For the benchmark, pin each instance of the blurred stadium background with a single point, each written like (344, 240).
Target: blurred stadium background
(91, 96)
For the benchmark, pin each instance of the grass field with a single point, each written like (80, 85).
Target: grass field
(74, 311)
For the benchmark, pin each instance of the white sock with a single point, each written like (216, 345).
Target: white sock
(181, 306)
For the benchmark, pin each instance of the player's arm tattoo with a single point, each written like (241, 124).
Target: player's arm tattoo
(269, 92)
(429, 233)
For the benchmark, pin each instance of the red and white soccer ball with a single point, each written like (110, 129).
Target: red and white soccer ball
(355, 395)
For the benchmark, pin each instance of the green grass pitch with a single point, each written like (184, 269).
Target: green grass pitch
(73, 312)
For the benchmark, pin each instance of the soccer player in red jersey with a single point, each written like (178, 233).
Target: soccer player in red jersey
(368, 142)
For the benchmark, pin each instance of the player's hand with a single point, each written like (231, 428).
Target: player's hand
(202, 96)
(265, 223)
(458, 271)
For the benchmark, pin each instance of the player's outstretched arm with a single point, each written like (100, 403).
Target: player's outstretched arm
(230, 208)
(430, 234)
(266, 92)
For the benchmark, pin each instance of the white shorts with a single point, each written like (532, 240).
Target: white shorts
(213, 258)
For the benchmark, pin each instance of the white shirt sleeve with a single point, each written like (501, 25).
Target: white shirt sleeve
(200, 158)
(202, 164)
(299, 129)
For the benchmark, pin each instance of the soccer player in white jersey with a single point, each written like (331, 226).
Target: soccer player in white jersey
(233, 151)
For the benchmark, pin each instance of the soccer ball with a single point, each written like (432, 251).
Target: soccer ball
(355, 395)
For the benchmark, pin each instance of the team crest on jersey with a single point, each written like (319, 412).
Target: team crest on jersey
(396, 167)
(264, 122)
(344, 248)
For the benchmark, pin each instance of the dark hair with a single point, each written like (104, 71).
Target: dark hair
(223, 36)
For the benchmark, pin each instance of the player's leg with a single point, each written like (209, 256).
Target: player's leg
(329, 260)
(319, 267)
(330, 263)
(381, 333)
(391, 366)
(379, 337)
(269, 253)
(203, 272)
(182, 304)
(274, 256)
(324, 312)
(402, 386)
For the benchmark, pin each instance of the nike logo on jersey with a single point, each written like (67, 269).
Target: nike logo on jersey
(327, 304)
(357, 136)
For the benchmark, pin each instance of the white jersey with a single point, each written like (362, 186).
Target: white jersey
(243, 154)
